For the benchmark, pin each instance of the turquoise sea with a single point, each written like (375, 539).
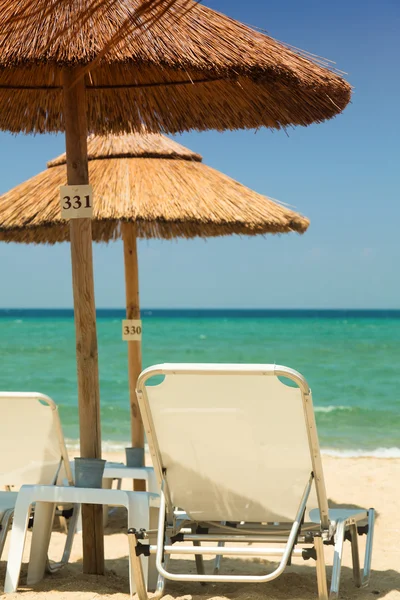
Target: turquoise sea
(350, 358)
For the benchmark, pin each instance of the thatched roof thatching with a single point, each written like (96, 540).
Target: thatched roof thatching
(151, 180)
(193, 69)
(147, 12)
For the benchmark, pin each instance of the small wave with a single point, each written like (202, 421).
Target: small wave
(119, 446)
(360, 453)
(202, 337)
(329, 409)
(18, 321)
(114, 446)
(107, 445)
(72, 444)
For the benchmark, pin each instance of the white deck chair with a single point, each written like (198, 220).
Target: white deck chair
(32, 451)
(234, 444)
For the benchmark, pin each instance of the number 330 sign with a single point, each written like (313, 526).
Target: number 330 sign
(131, 330)
(76, 201)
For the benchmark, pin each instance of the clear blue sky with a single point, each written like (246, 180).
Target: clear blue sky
(344, 175)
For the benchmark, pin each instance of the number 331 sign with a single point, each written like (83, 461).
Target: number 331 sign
(76, 201)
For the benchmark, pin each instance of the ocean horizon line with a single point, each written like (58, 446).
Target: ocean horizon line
(211, 312)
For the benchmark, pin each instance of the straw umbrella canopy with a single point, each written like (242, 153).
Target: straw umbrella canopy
(150, 182)
(190, 70)
(148, 186)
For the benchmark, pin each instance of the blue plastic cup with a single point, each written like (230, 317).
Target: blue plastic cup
(89, 472)
(134, 457)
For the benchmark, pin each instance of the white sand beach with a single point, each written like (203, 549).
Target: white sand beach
(355, 481)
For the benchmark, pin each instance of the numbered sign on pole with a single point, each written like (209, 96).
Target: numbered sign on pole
(131, 330)
(76, 201)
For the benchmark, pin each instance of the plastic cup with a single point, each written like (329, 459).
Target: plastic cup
(89, 472)
(134, 457)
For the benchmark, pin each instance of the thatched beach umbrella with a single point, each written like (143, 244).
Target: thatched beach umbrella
(147, 186)
(199, 70)
(192, 70)
(148, 180)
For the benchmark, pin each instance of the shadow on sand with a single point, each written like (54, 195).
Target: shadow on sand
(297, 582)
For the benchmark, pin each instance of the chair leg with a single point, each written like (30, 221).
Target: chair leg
(41, 533)
(217, 561)
(337, 559)
(218, 558)
(355, 555)
(4, 527)
(368, 547)
(199, 561)
(161, 579)
(71, 530)
(136, 576)
(106, 485)
(139, 518)
(321, 569)
(152, 579)
(17, 541)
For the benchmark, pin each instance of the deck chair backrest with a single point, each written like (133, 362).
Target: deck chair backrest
(32, 445)
(233, 440)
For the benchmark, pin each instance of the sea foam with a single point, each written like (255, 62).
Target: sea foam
(119, 446)
(361, 453)
(329, 409)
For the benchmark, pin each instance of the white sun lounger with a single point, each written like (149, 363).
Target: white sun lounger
(236, 450)
(142, 512)
(33, 459)
(32, 451)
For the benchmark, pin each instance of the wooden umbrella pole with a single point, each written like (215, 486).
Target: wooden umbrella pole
(84, 314)
(134, 347)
